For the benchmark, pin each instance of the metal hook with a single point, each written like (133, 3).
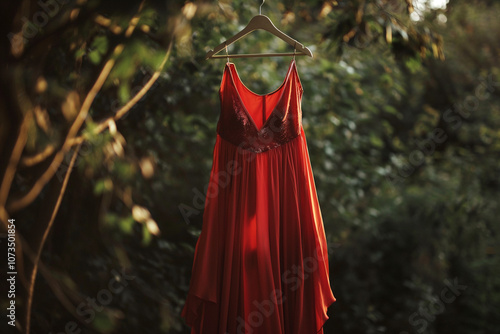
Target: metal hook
(260, 8)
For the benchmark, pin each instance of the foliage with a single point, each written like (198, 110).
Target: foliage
(401, 118)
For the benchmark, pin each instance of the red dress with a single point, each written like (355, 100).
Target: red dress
(261, 261)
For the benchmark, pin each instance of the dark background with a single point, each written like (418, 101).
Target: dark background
(402, 115)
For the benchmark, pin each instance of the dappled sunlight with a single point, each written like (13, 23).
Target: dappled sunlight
(108, 123)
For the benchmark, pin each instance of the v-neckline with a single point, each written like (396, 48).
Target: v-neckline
(281, 87)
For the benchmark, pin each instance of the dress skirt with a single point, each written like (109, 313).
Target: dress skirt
(261, 261)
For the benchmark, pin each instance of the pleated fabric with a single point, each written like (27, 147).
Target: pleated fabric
(261, 261)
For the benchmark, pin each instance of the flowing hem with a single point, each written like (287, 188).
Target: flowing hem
(194, 309)
(325, 316)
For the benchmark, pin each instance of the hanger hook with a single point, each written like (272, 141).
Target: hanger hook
(260, 8)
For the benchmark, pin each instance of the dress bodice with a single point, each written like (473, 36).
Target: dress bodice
(259, 122)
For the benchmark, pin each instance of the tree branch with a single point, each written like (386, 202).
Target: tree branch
(35, 190)
(47, 175)
(103, 125)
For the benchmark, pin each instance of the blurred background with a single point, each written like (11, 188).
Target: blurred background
(108, 114)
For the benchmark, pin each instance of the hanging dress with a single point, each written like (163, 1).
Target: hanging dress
(261, 260)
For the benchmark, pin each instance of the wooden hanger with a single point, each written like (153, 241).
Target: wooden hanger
(260, 22)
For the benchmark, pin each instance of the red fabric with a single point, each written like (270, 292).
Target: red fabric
(261, 261)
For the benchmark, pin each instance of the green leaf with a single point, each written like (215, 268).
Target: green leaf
(146, 236)
(100, 44)
(376, 141)
(390, 109)
(127, 224)
(95, 57)
(103, 323)
(124, 93)
(79, 53)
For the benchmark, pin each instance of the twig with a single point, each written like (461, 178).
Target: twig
(44, 238)
(10, 171)
(35, 159)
